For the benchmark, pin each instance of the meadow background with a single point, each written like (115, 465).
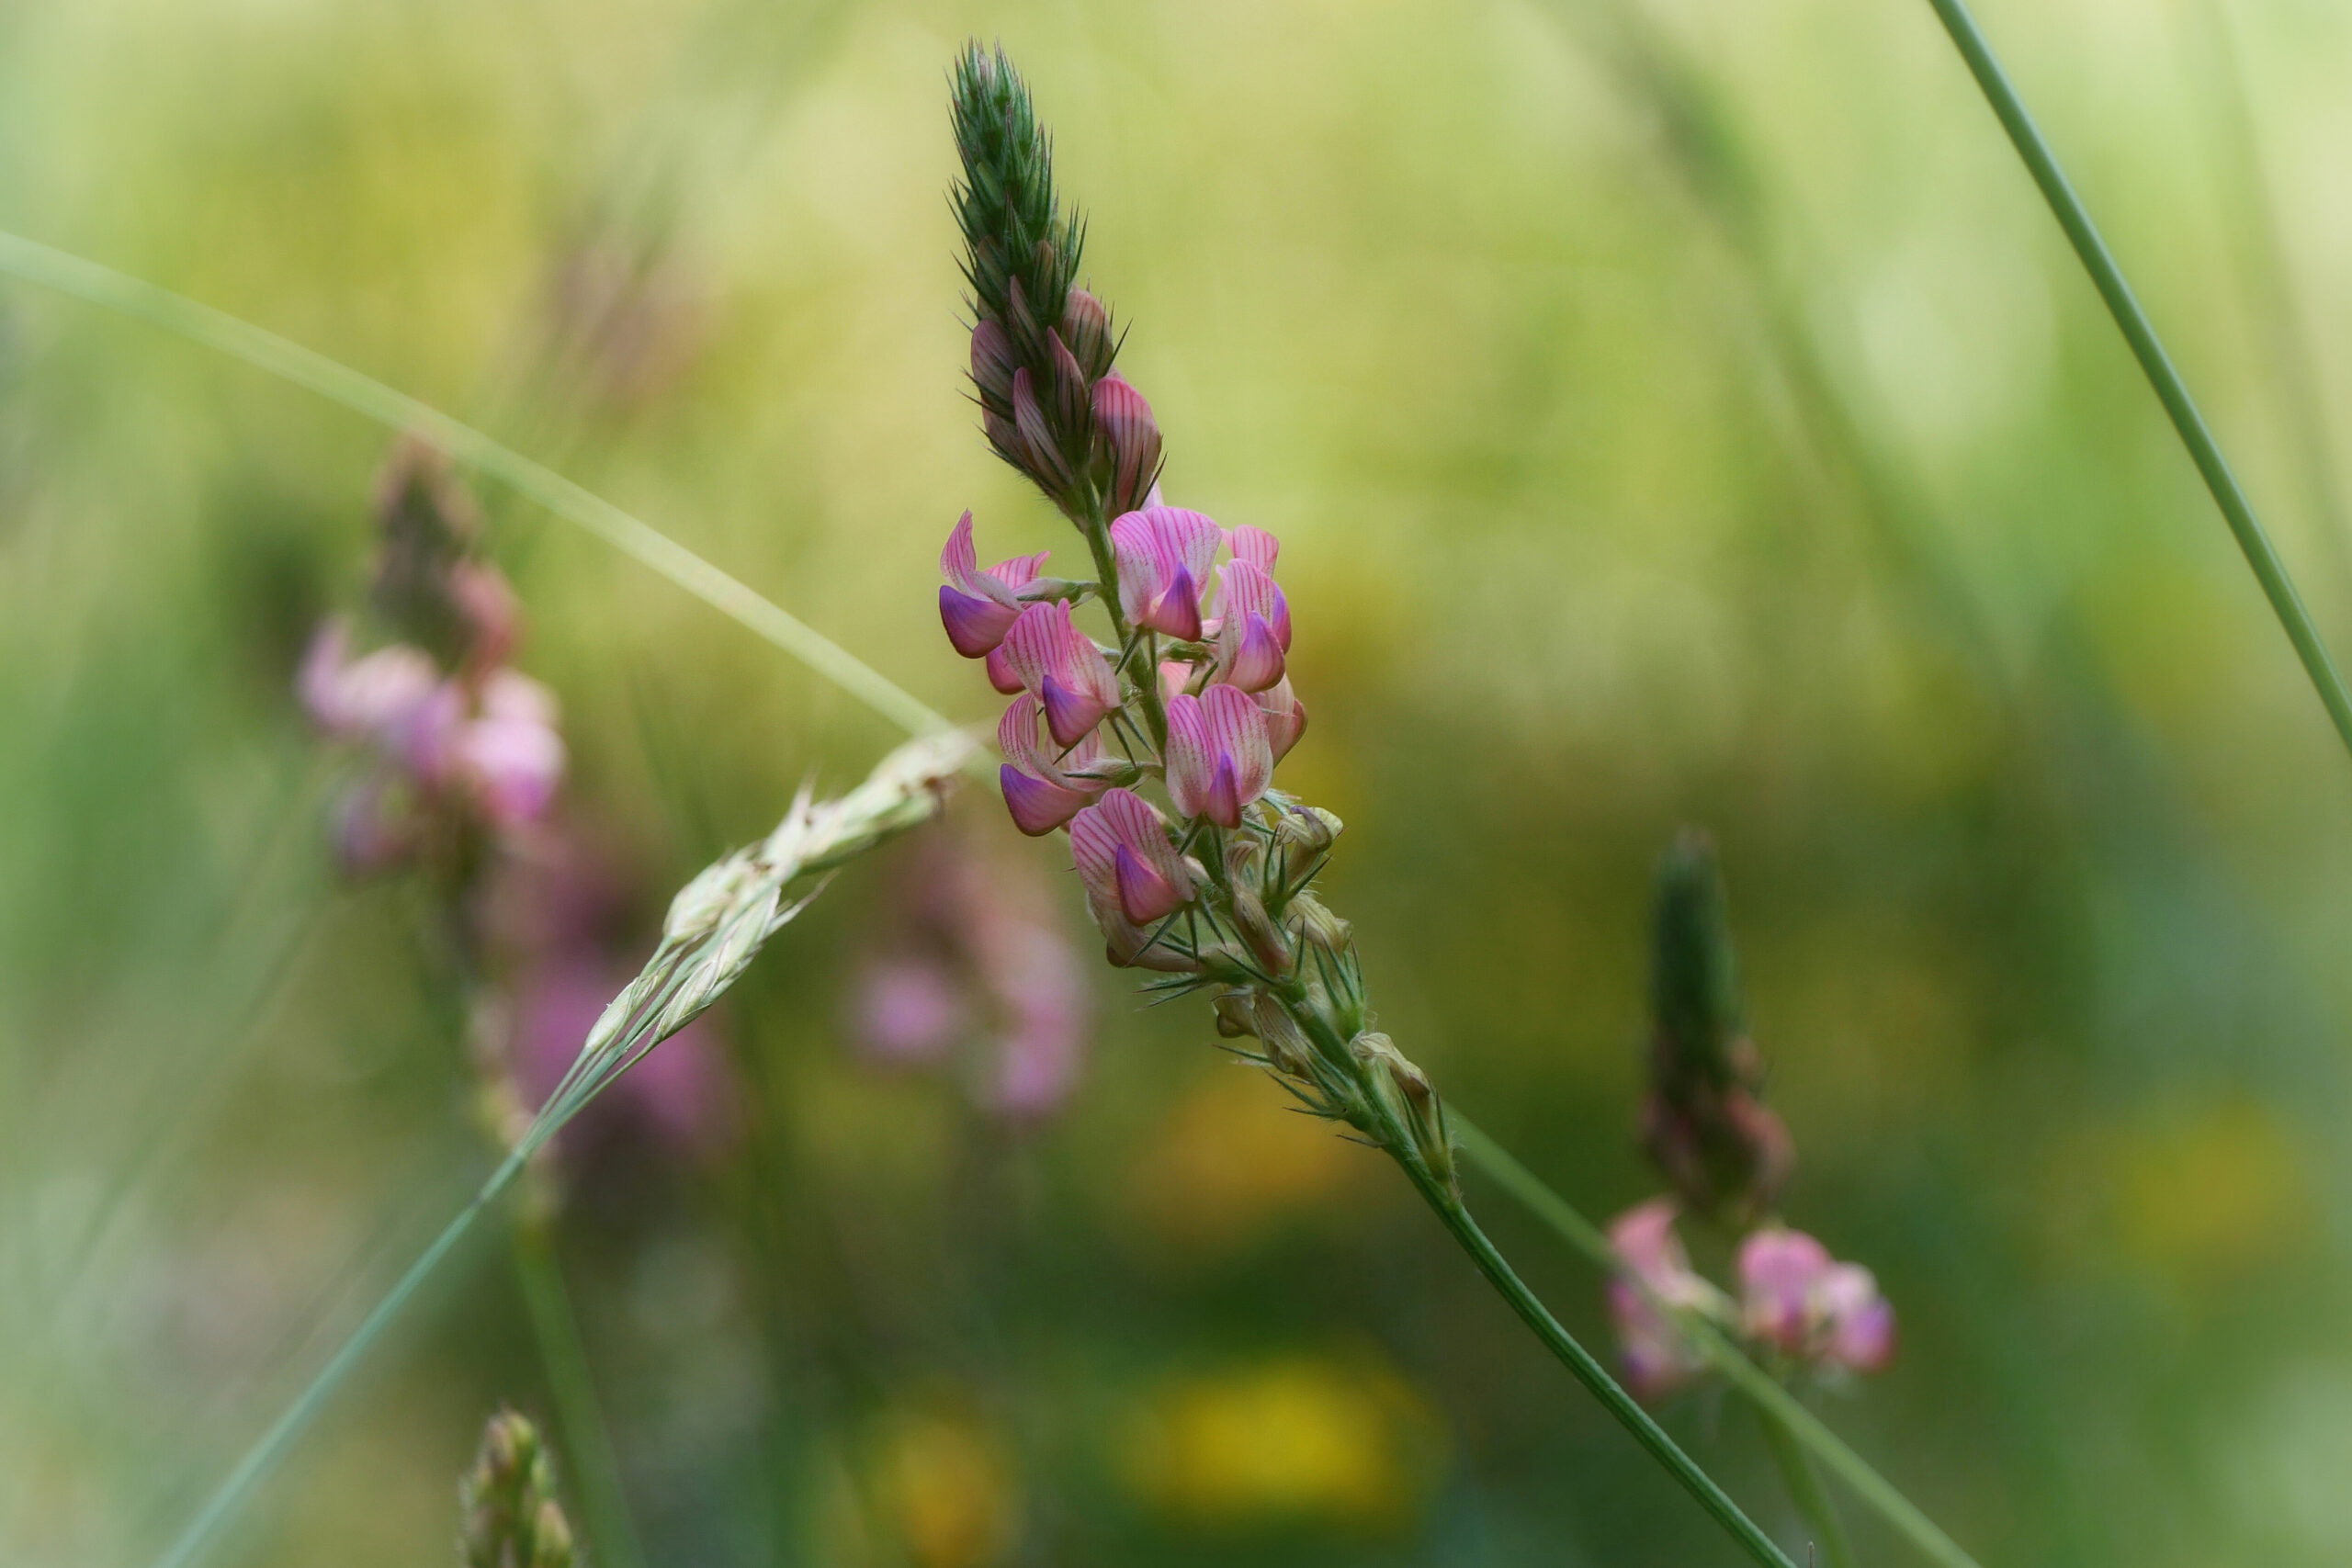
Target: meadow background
(1671, 412)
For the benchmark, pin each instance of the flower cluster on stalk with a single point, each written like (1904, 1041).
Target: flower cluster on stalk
(1188, 697)
(1726, 1157)
(461, 747)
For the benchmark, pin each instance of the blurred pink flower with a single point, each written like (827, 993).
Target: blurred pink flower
(978, 957)
(1658, 1357)
(1807, 1305)
(367, 698)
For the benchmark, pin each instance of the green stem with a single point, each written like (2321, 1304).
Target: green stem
(89, 281)
(595, 1467)
(1589, 1372)
(1805, 1491)
(1874, 1489)
(1398, 1145)
(271, 1449)
(2108, 278)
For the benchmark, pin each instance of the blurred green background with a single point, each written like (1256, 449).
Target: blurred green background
(1670, 411)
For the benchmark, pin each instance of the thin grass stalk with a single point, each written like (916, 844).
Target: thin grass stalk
(102, 285)
(1758, 1387)
(1806, 1491)
(579, 1417)
(2090, 248)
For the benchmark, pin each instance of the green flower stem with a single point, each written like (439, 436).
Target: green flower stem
(594, 1469)
(1769, 1398)
(93, 284)
(2108, 278)
(1579, 1362)
(1805, 1490)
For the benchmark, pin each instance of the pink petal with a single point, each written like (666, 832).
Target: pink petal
(959, 563)
(992, 359)
(1255, 546)
(1190, 761)
(1286, 718)
(1000, 672)
(975, 626)
(1037, 806)
(1237, 730)
(1126, 422)
(515, 766)
(1070, 716)
(1256, 662)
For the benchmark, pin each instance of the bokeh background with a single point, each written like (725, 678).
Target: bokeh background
(1671, 412)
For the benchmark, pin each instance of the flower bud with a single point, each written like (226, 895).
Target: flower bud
(1233, 1015)
(1040, 454)
(1127, 440)
(992, 363)
(1086, 327)
(1287, 1046)
(1405, 1089)
(1073, 407)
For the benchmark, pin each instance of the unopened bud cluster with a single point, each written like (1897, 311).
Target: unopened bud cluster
(511, 1518)
(1726, 1157)
(1191, 691)
(1704, 1123)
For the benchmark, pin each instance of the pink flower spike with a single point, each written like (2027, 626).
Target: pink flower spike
(1254, 627)
(1058, 665)
(1286, 718)
(1164, 555)
(1042, 792)
(978, 607)
(1126, 861)
(1218, 757)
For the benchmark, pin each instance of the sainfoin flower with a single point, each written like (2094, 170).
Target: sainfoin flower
(1253, 623)
(1218, 757)
(979, 607)
(1060, 666)
(1042, 789)
(1132, 874)
(1164, 556)
(1658, 1356)
(1803, 1303)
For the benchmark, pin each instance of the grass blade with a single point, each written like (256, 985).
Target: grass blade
(2269, 571)
(89, 281)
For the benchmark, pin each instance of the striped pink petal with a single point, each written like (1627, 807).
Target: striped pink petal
(1254, 627)
(1286, 718)
(1062, 669)
(1126, 861)
(1255, 546)
(978, 607)
(1124, 421)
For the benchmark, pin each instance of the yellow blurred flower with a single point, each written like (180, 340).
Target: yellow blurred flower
(943, 1486)
(1297, 1439)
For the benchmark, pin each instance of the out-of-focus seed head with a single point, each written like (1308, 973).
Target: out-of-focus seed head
(511, 1518)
